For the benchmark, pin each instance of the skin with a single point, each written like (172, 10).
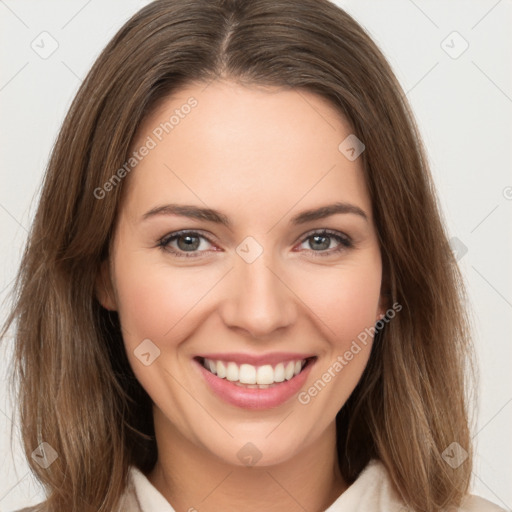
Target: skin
(259, 155)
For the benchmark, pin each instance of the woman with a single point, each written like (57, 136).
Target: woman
(238, 291)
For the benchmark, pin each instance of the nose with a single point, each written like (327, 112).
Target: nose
(259, 299)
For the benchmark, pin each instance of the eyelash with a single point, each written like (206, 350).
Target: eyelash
(345, 243)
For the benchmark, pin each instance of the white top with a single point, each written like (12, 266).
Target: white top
(371, 492)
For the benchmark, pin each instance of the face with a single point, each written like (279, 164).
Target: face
(254, 281)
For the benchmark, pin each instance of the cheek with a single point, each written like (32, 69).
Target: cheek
(154, 299)
(345, 299)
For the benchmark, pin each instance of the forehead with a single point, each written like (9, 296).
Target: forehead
(226, 144)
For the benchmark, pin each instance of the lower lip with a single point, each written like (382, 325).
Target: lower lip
(253, 398)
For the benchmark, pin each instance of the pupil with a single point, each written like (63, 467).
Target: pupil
(188, 244)
(324, 245)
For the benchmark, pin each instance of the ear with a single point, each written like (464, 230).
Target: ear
(103, 287)
(383, 307)
(384, 299)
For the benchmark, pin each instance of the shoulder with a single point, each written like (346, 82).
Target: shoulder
(474, 503)
(128, 501)
(375, 491)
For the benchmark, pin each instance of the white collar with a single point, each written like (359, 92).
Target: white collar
(371, 492)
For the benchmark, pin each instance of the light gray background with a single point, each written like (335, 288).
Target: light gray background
(463, 106)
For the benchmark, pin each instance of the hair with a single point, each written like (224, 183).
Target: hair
(74, 385)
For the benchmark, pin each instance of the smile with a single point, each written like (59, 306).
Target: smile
(254, 376)
(251, 386)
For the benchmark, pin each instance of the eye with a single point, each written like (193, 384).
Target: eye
(188, 243)
(321, 240)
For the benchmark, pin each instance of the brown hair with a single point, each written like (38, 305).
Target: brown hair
(77, 391)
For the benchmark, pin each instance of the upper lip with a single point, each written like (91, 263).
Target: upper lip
(257, 359)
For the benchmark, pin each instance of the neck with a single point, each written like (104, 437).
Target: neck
(191, 478)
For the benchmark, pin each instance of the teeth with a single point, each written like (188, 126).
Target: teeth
(232, 372)
(211, 366)
(279, 373)
(254, 377)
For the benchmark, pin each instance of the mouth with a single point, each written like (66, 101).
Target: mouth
(254, 387)
(256, 377)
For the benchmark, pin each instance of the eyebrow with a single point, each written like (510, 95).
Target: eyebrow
(211, 215)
